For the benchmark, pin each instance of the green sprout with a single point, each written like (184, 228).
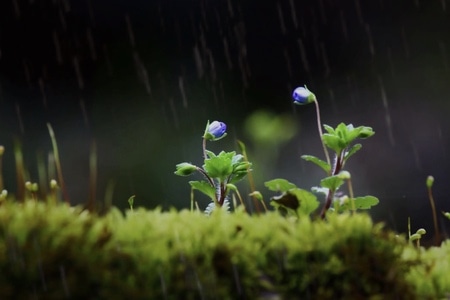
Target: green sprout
(221, 171)
(341, 141)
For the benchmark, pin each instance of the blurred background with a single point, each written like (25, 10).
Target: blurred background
(141, 78)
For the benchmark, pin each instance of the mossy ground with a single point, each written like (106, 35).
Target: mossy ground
(57, 251)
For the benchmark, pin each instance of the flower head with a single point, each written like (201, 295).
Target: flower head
(215, 131)
(303, 96)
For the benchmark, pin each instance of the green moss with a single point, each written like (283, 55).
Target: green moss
(57, 251)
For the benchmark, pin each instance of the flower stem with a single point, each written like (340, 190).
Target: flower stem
(319, 126)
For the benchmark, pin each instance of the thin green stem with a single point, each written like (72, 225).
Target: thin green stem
(319, 127)
(58, 163)
(433, 208)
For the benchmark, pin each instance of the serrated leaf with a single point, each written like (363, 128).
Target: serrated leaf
(332, 182)
(329, 129)
(320, 190)
(204, 187)
(365, 202)
(323, 164)
(353, 149)
(185, 169)
(279, 185)
(220, 166)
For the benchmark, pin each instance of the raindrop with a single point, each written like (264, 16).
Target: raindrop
(343, 25)
(198, 61)
(183, 93)
(91, 12)
(416, 156)
(288, 62)
(416, 3)
(42, 89)
(142, 73)
(26, 70)
(76, 65)
(130, 31)
(62, 19)
(387, 114)
(174, 112)
(227, 53)
(405, 43)
(359, 12)
(369, 35)
(16, 8)
(280, 15)
(108, 61)
(66, 5)
(57, 48)
(391, 61)
(230, 8)
(90, 39)
(293, 14)
(303, 56)
(325, 59)
(84, 112)
(19, 119)
(212, 66)
(444, 5)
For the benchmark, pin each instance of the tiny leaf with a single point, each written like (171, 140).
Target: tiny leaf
(353, 149)
(323, 164)
(332, 182)
(279, 185)
(204, 187)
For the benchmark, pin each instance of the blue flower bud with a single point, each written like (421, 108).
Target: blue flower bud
(215, 131)
(303, 96)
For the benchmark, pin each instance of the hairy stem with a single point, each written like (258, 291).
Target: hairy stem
(336, 169)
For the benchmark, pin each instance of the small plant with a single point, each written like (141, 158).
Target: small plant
(220, 171)
(341, 141)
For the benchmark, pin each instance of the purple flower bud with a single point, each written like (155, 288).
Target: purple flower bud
(217, 129)
(303, 96)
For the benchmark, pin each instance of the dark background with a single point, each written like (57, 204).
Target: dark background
(141, 78)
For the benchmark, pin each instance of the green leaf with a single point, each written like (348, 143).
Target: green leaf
(329, 129)
(323, 164)
(204, 187)
(365, 132)
(185, 169)
(296, 201)
(446, 214)
(353, 149)
(210, 154)
(333, 142)
(220, 166)
(279, 185)
(365, 202)
(308, 201)
(332, 182)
